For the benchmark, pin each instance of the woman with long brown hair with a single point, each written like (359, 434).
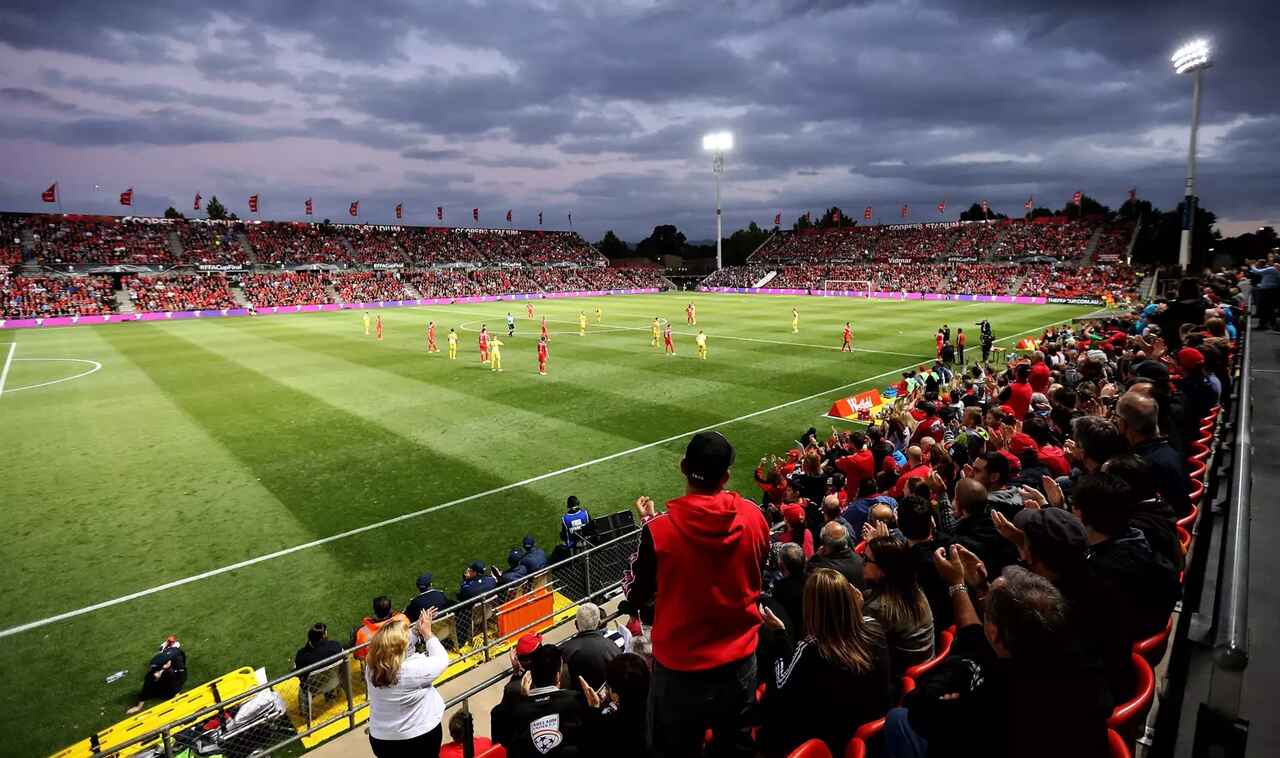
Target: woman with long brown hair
(838, 676)
(897, 602)
(404, 708)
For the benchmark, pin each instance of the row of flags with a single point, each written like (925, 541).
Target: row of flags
(126, 198)
(867, 213)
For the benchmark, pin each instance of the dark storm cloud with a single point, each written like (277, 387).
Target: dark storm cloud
(878, 102)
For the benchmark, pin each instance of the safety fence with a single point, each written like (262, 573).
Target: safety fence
(237, 716)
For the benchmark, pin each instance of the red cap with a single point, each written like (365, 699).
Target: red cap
(528, 643)
(1015, 465)
(889, 464)
(1189, 358)
(1022, 441)
(793, 513)
(1008, 411)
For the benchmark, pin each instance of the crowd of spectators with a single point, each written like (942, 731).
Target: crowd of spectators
(287, 288)
(46, 296)
(920, 243)
(976, 240)
(368, 286)
(60, 241)
(11, 240)
(372, 245)
(1063, 241)
(298, 243)
(1113, 243)
(211, 243)
(190, 292)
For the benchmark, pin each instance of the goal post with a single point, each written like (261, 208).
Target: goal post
(847, 285)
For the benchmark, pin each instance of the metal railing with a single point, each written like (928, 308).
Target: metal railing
(591, 575)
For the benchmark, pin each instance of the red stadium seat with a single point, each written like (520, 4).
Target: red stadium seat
(1152, 648)
(1128, 718)
(1188, 521)
(855, 749)
(1115, 745)
(1196, 473)
(811, 749)
(948, 635)
(870, 730)
(1199, 453)
(1184, 537)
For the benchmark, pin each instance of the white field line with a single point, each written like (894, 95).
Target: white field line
(615, 327)
(4, 373)
(96, 367)
(442, 506)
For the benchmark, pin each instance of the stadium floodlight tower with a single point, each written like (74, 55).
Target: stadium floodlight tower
(1191, 58)
(718, 143)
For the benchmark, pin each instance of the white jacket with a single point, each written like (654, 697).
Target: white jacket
(411, 707)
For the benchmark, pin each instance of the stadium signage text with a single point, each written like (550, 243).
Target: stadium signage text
(387, 266)
(962, 259)
(1074, 301)
(222, 267)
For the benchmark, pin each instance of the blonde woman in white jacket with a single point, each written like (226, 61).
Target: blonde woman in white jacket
(405, 710)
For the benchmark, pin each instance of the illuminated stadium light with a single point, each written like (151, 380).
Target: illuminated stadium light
(718, 143)
(1192, 56)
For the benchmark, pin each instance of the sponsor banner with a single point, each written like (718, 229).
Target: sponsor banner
(1021, 300)
(221, 267)
(962, 259)
(1075, 301)
(123, 318)
(387, 266)
(1108, 257)
(477, 230)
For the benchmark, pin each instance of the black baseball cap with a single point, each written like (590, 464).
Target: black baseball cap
(424, 581)
(1054, 535)
(708, 457)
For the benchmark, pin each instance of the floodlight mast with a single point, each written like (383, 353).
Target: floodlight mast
(1192, 58)
(718, 143)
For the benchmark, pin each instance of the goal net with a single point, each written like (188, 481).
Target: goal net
(847, 285)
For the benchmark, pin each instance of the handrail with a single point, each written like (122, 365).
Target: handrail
(1233, 654)
(602, 592)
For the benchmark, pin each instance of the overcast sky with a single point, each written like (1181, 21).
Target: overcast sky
(597, 108)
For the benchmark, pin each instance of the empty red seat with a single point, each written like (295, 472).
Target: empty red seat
(1152, 648)
(855, 749)
(811, 749)
(1186, 522)
(1196, 471)
(1129, 717)
(1115, 745)
(1184, 537)
(944, 649)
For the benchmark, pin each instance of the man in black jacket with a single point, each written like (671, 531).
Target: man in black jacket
(1137, 418)
(789, 590)
(521, 660)
(835, 553)
(915, 519)
(587, 653)
(549, 721)
(427, 597)
(975, 531)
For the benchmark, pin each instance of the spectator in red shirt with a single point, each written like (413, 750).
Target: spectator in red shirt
(859, 464)
(457, 733)
(704, 643)
(1019, 392)
(916, 469)
(930, 425)
(1040, 376)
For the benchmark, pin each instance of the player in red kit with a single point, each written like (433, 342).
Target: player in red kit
(690, 315)
(431, 338)
(542, 355)
(668, 346)
(484, 344)
(960, 346)
(545, 336)
(939, 339)
(528, 309)
(847, 345)
(379, 327)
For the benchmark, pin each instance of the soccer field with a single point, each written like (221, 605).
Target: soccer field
(269, 455)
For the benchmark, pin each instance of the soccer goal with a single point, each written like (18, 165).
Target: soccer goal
(847, 285)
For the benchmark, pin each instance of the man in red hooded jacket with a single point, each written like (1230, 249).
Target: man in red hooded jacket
(697, 576)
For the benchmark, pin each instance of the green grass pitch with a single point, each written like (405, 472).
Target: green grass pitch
(199, 445)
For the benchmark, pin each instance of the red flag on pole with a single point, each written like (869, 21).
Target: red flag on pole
(475, 214)
(126, 197)
(399, 210)
(1030, 202)
(355, 208)
(835, 216)
(570, 219)
(196, 205)
(309, 206)
(508, 215)
(777, 219)
(50, 195)
(253, 203)
(539, 218)
(1077, 197)
(984, 208)
(942, 207)
(1133, 195)
(866, 213)
(905, 210)
(439, 213)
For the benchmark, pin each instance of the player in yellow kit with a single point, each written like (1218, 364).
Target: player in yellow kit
(795, 321)
(599, 315)
(655, 330)
(701, 341)
(453, 345)
(366, 323)
(495, 353)
(582, 324)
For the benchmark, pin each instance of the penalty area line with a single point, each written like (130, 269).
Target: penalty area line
(19, 629)
(8, 361)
